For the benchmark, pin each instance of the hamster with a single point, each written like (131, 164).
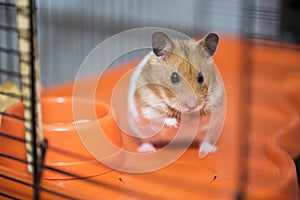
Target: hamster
(177, 76)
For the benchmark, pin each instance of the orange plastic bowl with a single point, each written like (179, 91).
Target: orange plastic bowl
(66, 151)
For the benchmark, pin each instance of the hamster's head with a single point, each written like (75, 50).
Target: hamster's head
(184, 70)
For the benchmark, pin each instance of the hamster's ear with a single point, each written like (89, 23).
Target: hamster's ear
(161, 44)
(210, 43)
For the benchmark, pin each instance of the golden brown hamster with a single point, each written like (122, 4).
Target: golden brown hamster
(177, 76)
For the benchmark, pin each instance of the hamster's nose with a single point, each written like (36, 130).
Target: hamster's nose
(191, 104)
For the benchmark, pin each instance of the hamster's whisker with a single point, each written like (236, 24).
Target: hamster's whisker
(172, 112)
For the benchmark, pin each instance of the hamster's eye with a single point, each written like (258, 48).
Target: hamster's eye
(200, 78)
(174, 78)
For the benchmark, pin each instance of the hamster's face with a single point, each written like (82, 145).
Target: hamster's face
(184, 74)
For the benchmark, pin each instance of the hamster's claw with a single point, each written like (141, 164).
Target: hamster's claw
(146, 147)
(172, 122)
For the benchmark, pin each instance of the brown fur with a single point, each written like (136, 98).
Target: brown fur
(187, 58)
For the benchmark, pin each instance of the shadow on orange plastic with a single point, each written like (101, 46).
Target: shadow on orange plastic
(66, 151)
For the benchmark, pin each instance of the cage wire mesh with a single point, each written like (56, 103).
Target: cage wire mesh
(9, 38)
(270, 20)
(9, 57)
(19, 65)
(10, 93)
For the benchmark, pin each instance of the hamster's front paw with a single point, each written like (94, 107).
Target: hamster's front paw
(172, 122)
(146, 148)
(206, 147)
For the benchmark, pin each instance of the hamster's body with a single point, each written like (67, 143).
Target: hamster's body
(176, 76)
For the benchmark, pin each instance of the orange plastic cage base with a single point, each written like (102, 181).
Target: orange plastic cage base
(274, 141)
